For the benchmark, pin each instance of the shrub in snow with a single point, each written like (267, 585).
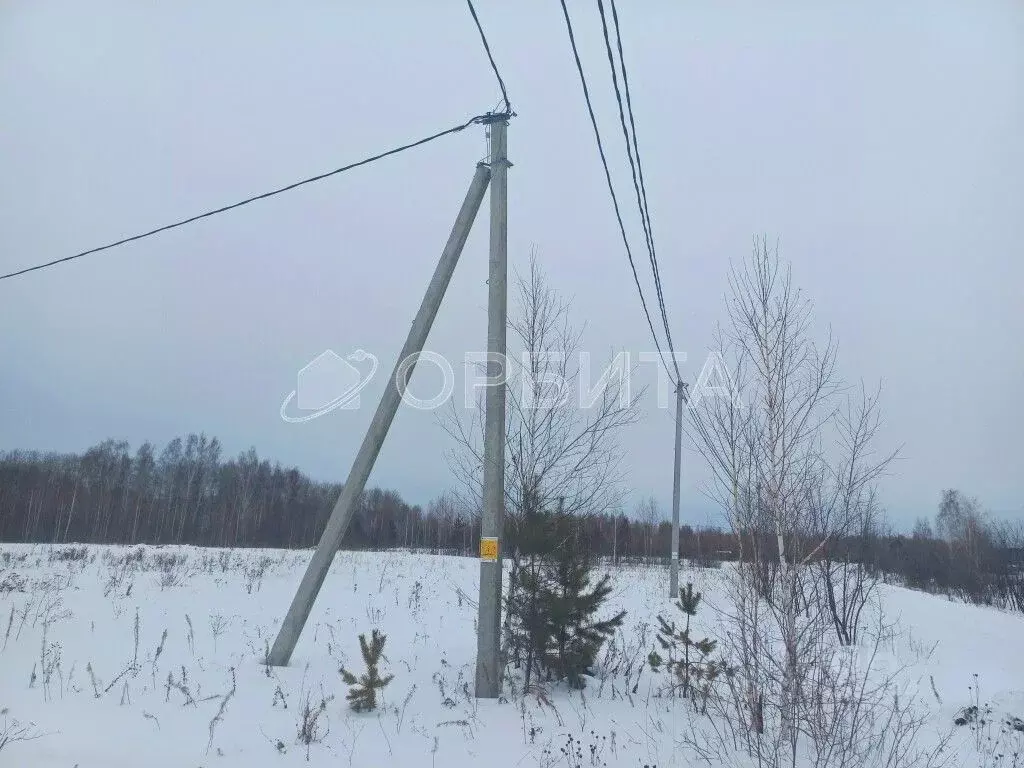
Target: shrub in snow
(999, 740)
(311, 726)
(362, 695)
(12, 730)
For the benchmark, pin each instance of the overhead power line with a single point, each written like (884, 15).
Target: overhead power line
(487, 48)
(611, 186)
(254, 198)
(633, 150)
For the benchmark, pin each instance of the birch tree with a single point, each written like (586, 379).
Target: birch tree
(791, 486)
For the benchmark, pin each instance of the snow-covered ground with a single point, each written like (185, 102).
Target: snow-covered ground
(152, 656)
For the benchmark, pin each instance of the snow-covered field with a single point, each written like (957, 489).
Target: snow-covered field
(152, 656)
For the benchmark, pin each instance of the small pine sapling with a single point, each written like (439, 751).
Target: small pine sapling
(688, 659)
(362, 695)
(552, 627)
(571, 606)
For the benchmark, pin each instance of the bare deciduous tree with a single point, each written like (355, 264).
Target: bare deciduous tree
(647, 512)
(848, 519)
(556, 452)
(789, 495)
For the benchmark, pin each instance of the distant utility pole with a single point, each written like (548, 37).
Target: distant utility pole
(615, 538)
(673, 578)
(341, 515)
(488, 638)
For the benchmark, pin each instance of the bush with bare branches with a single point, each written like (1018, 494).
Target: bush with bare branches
(795, 475)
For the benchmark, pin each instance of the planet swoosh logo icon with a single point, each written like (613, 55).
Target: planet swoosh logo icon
(347, 399)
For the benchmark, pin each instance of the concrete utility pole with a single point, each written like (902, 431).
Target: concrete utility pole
(488, 638)
(341, 515)
(673, 578)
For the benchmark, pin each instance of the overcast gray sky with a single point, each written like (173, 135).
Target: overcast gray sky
(879, 142)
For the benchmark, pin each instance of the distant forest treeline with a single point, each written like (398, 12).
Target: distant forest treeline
(188, 493)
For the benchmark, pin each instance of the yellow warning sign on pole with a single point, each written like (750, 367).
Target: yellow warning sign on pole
(489, 548)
